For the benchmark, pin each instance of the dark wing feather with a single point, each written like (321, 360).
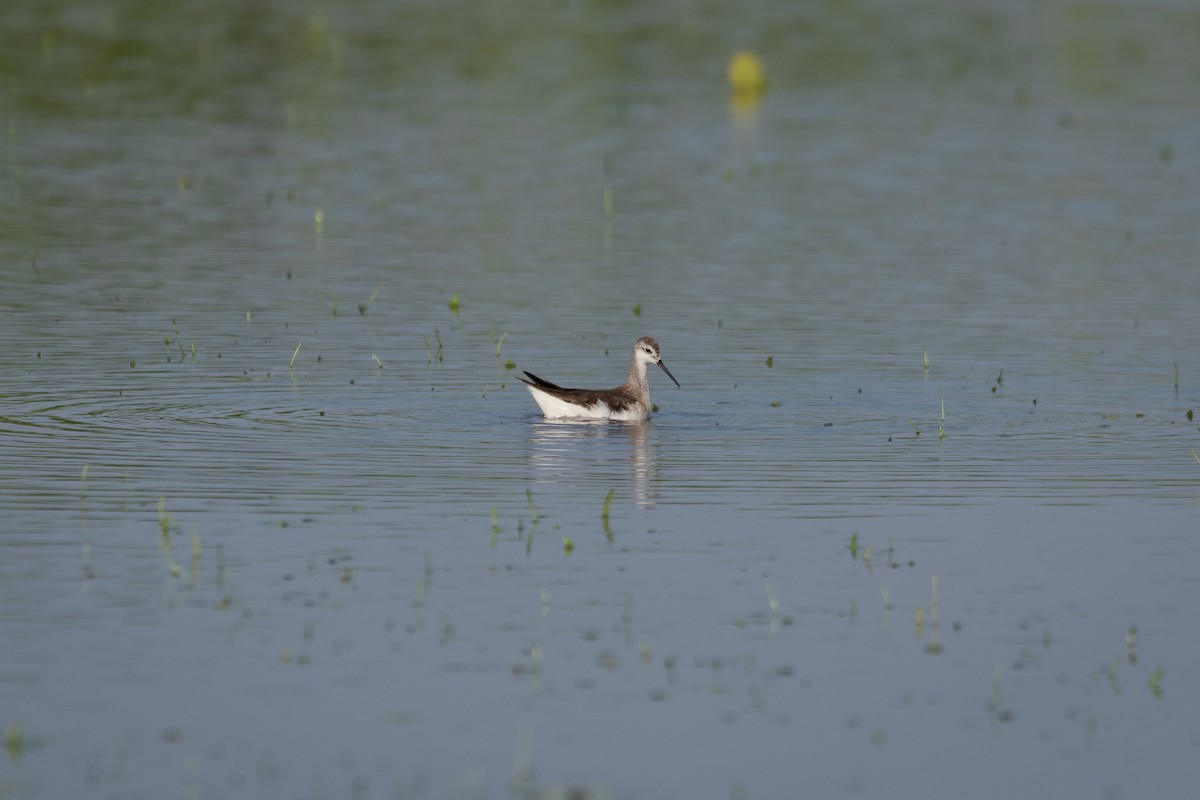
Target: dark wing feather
(616, 399)
(534, 380)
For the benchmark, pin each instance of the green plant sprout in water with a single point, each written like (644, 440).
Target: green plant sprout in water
(509, 364)
(454, 305)
(533, 517)
(166, 526)
(772, 600)
(533, 521)
(429, 353)
(1155, 683)
(295, 353)
(14, 739)
(362, 307)
(604, 514)
(993, 703)
(1114, 681)
(941, 428)
(934, 646)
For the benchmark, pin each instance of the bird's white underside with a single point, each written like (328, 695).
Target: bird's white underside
(554, 408)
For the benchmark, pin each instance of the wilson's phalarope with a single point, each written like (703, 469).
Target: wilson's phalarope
(629, 401)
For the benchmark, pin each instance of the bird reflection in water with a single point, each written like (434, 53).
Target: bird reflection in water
(571, 448)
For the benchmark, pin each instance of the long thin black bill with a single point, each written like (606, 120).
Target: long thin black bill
(669, 375)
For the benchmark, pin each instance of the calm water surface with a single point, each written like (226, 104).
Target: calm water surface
(277, 520)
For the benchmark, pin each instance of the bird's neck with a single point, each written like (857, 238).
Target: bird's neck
(637, 374)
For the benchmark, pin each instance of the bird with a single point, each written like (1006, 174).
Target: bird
(629, 402)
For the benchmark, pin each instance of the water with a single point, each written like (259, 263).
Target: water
(921, 521)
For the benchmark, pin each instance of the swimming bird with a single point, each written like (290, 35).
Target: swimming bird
(628, 402)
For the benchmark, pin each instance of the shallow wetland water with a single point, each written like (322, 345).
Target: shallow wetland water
(277, 519)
